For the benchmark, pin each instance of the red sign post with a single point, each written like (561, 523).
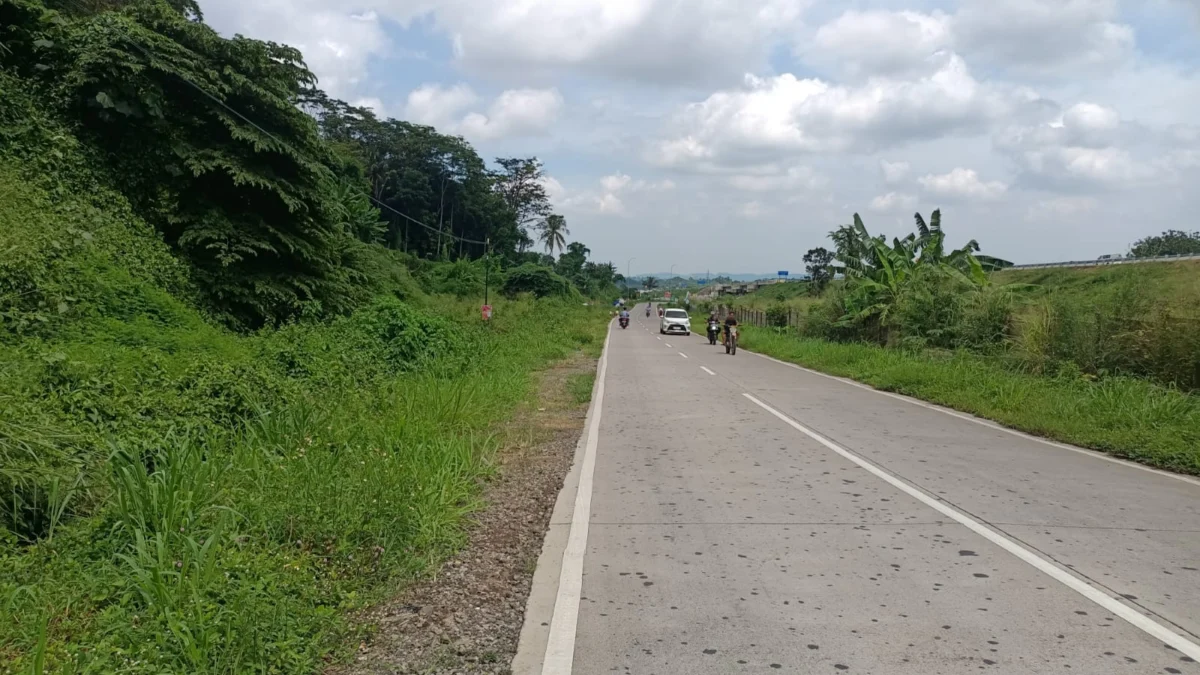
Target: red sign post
(486, 310)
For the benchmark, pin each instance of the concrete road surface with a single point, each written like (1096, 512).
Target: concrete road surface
(734, 514)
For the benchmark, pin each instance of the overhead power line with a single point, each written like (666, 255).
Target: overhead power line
(251, 122)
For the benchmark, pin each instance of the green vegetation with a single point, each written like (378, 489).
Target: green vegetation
(581, 385)
(1103, 357)
(237, 399)
(1125, 417)
(1171, 242)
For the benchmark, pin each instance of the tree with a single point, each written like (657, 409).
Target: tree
(817, 262)
(650, 283)
(571, 263)
(1171, 242)
(520, 183)
(554, 233)
(879, 275)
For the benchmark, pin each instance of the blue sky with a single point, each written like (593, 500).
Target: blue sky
(734, 134)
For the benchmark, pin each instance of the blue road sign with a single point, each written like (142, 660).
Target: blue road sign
(783, 273)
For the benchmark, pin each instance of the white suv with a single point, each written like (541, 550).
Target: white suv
(675, 321)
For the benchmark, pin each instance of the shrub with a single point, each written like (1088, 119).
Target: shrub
(777, 315)
(540, 281)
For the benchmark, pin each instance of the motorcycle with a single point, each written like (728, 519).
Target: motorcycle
(624, 321)
(731, 341)
(714, 331)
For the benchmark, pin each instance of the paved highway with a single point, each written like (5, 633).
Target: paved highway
(739, 515)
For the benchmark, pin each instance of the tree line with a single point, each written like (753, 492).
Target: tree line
(284, 201)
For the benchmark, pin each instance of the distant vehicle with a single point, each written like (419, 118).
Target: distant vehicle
(1112, 256)
(675, 321)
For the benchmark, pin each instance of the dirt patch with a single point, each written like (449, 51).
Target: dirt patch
(467, 617)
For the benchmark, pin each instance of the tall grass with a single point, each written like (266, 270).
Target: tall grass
(1126, 417)
(237, 500)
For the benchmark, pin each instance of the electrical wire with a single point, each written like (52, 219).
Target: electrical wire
(251, 122)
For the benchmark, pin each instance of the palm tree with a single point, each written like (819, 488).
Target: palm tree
(650, 283)
(554, 232)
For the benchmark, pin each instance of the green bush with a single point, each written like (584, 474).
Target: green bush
(535, 279)
(777, 315)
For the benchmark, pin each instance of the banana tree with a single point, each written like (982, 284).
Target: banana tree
(878, 275)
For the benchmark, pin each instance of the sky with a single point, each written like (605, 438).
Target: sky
(733, 135)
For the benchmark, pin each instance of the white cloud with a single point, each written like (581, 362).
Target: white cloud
(438, 106)
(879, 42)
(777, 116)
(1033, 36)
(962, 183)
(610, 199)
(1090, 147)
(337, 42)
(646, 40)
(519, 112)
(515, 113)
(894, 172)
(893, 201)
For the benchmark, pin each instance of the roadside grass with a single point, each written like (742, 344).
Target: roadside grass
(580, 387)
(281, 481)
(1125, 417)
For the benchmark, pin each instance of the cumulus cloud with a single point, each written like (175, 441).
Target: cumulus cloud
(1022, 35)
(515, 113)
(893, 201)
(337, 41)
(610, 198)
(1090, 147)
(962, 184)
(879, 42)
(771, 117)
(437, 105)
(662, 41)
(518, 112)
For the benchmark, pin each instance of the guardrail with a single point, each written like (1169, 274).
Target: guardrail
(1100, 263)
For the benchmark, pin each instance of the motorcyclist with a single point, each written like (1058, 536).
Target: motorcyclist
(714, 325)
(730, 321)
(624, 313)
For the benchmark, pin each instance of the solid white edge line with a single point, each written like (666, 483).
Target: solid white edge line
(560, 643)
(683, 355)
(707, 370)
(983, 422)
(1132, 616)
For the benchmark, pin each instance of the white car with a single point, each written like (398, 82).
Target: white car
(675, 321)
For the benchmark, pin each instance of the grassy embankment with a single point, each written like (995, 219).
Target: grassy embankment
(1125, 417)
(1105, 357)
(181, 498)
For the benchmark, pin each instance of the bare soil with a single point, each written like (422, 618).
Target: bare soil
(467, 616)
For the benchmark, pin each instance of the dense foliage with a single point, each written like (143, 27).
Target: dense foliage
(1133, 320)
(239, 392)
(264, 185)
(1171, 242)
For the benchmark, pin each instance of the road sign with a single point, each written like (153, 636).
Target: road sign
(667, 295)
(783, 273)
(486, 310)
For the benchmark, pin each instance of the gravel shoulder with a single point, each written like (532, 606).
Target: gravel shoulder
(467, 616)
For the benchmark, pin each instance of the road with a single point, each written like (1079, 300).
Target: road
(733, 514)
